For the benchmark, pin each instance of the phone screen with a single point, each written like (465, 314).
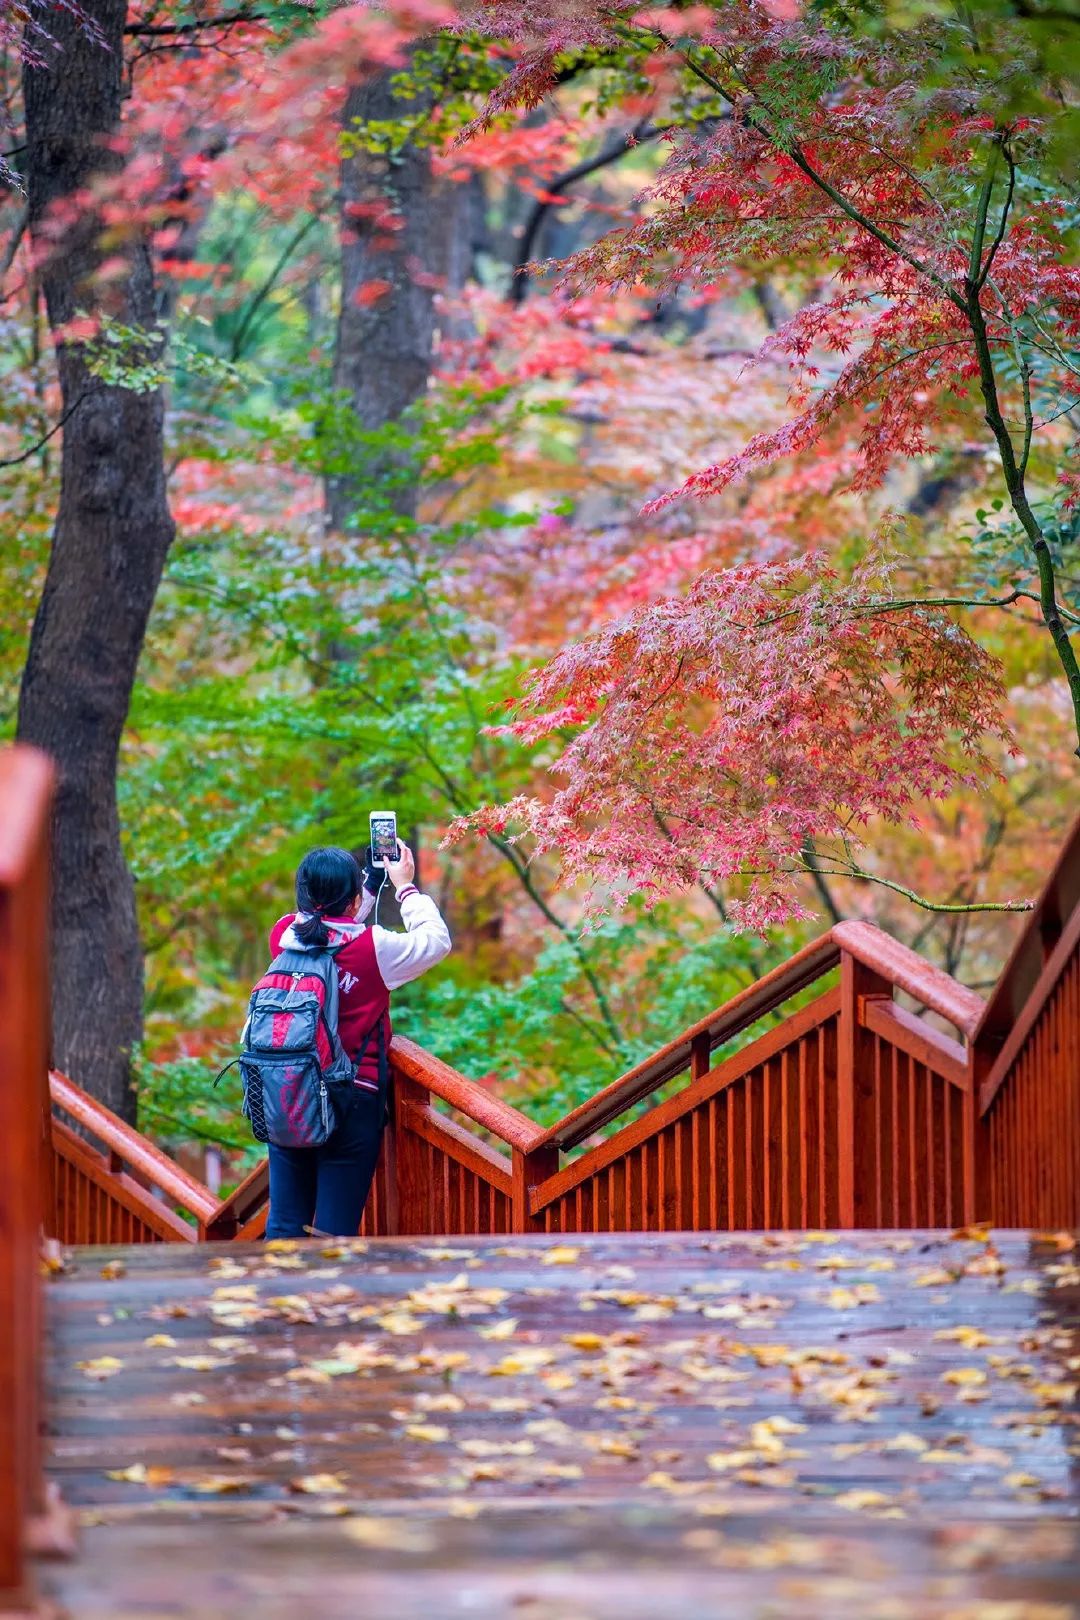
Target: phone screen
(384, 845)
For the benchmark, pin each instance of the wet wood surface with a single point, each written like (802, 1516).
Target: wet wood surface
(866, 1424)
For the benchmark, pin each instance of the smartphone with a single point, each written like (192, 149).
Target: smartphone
(384, 841)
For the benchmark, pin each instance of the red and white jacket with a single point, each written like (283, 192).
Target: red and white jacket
(372, 962)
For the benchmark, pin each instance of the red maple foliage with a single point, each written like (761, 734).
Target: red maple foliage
(720, 732)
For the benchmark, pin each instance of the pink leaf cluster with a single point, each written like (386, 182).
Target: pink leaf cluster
(717, 732)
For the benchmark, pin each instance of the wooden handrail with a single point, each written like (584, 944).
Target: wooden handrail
(477, 1104)
(1042, 929)
(126, 1142)
(930, 985)
(716, 1080)
(735, 1015)
(245, 1201)
(1040, 993)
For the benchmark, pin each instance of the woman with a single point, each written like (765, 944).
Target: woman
(326, 1187)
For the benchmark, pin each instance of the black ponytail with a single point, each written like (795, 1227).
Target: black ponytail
(327, 883)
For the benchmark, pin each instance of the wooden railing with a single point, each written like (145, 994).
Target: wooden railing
(1026, 1065)
(26, 1515)
(110, 1185)
(851, 1110)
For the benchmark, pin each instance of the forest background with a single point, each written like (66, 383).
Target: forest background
(319, 461)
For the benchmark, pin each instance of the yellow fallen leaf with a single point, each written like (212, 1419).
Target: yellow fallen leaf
(497, 1448)
(936, 1277)
(979, 1233)
(391, 1535)
(558, 1470)
(500, 1330)
(558, 1380)
(1063, 1242)
(112, 1269)
(399, 1322)
(989, 1264)
(585, 1341)
(722, 1461)
(905, 1442)
(319, 1485)
(100, 1367)
(846, 1299)
(160, 1341)
(561, 1255)
(525, 1360)
(433, 1432)
(613, 1445)
(861, 1501)
(1020, 1482)
(445, 1402)
(1054, 1394)
(281, 1245)
(221, 1485)
(201, 1363)
(964, 1376)
(778, 1425)
(972, 1338)
(139, 1474)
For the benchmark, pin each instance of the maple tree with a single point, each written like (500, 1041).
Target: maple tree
(896, 160)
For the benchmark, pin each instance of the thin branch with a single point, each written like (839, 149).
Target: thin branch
(15, 461)
(999, 235)
(810, 856)
(260, 297)
(159, 30)
(854, 870)
(644, 131)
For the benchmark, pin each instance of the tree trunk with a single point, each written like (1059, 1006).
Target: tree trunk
(385, 347)
(112, 533)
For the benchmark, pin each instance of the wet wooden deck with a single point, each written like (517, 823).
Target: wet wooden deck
(872, 1425)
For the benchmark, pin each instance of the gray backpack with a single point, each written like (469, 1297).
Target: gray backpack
(293, 1061)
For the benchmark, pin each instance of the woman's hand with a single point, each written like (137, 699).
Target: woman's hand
(401, 871)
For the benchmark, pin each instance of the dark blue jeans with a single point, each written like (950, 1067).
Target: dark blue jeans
(327, 1187)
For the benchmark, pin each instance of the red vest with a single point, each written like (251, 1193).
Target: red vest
(363, 999)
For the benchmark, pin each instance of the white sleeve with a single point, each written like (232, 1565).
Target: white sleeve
(401, 957)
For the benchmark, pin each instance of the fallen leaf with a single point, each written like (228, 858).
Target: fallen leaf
(319, 1485)
(972, 1338)
(846, 1299)
(561, 1255)
(964, 1376)
(500, 1330)
(113, 1269)
(435, 1433)
(723, 1461)
(139, 1474)
(861, 1501)
(389, 1535)
(221, 1485)
(497, 1448)
(201, 1363)
(399, 1322)
(100, 1367)
(525, 1360)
